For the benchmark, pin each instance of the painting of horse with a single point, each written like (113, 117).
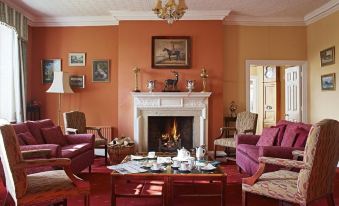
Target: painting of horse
(171, 52)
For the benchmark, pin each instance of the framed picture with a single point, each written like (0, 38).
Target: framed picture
(327, 56)
(77, 81)
(171, 52)
(48, 67)
(328, 82)
(100, 70)
(77, 59)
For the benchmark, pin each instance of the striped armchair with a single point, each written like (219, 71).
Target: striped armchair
(317, 170)
(246, 123)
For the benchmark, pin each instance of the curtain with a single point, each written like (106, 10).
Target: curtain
(10, 86)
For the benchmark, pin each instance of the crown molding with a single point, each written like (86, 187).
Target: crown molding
(262, 21)
(189, 15)
(74, 21)
(321, 12)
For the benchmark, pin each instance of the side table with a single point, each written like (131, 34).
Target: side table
(118, 152)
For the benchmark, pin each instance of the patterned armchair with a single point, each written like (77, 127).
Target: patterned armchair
(317, 170)
(75, 123)
(43, 187)
(246, 123)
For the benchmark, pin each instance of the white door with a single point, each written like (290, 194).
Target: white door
(293, 93)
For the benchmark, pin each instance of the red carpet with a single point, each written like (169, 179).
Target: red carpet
(101, 191)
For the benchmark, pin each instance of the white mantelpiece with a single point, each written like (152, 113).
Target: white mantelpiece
(193, 104)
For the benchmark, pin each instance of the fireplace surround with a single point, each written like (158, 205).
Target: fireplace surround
(170, 104)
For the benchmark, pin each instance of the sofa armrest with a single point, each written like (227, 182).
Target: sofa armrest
(277, 151)
(247, 139)
(54, 148)
(32, 154)
(80, 138)
(283, 162)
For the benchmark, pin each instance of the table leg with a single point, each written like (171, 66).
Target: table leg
(223, 190)
(113, 197)
(169, 191)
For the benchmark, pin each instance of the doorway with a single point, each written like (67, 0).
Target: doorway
(276, 92)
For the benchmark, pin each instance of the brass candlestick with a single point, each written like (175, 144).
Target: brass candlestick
(204, 77)
(136, 71)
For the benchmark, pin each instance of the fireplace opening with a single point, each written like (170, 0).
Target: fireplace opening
(167, 134)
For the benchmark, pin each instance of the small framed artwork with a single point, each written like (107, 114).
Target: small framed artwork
(77, 81)
(101, 70)
(48, 67)
(328, 82)
(327, 56)
(171, 52)
(77, 59)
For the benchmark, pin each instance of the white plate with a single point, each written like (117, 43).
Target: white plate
(208, 167)
(181, 159)
(136, 157)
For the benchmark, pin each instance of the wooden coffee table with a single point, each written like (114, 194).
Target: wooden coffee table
(168, 180)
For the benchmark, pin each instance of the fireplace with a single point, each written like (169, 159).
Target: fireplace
(148, 106)
(168, 133)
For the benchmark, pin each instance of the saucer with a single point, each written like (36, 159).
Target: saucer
(175, 167)
(157, 170)
(208, 167)
(184, 171)
(154, 157)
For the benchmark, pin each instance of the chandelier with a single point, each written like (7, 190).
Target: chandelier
(171, 11)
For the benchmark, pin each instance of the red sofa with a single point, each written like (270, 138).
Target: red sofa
(43, 134)
(291, 136)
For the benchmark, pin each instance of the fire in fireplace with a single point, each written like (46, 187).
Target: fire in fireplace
(167, 134)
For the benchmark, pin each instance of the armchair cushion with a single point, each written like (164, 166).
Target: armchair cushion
(277, 151)
(27, 138)
(35, 128)
(268, 137)
(247, 139)
(80, 138)
(302, 135)
(227, 142)
(53, 135)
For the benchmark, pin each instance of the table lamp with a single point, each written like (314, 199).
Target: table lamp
(60, 85)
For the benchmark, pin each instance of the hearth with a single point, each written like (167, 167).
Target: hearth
(168, 133)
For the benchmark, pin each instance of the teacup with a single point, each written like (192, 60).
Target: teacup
(184, 166)
(156, 166)
(176, 163)
(151, 154)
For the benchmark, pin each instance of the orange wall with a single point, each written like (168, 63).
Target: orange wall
(97, 100)
(135, 50)
(257, 43)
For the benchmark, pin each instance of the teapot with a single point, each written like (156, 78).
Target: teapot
(200, 152)
(183, 153)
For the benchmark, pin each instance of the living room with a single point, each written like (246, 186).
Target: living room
(222, 39)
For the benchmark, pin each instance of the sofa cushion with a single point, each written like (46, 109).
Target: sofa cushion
(301, 138)
(35, 126)
(73, 150)
(20, 128)
(281, 132)
(27, 138)
(53, 135)
(268, 136)
(252, 151)
(289, 136)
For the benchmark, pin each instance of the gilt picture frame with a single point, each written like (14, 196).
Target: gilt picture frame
(328, 82)
(327, 56)
(171, 52)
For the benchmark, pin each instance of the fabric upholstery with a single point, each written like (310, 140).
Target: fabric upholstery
(318, 167)
(301, 137)
(35, 128)
(21, 141)
(268, 137)
(53, 135)
(280, 136)
(227, 142)
(27, 138)
(289, 136)
(73, 150)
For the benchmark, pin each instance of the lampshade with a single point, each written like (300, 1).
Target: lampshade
(60, 83)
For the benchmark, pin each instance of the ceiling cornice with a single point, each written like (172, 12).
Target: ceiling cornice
(74, 21)
(262, 21)
(321, 12)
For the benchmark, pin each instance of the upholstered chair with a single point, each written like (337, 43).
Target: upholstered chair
(317, 170)
(246, 123)
(41, 187)
(75, 123)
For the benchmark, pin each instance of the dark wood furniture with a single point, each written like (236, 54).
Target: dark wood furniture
(169, 180)
(229, 122)
(33, 112)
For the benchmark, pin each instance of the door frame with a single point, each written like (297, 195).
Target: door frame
(303, 75)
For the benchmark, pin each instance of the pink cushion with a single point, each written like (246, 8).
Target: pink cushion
(53, 135)
(302, 135)
(20, 128)
(73, 150)
(281, 132)
(35, 126)
(27, 138)
(268, 137)
(289, 136)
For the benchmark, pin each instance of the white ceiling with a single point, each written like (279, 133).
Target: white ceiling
(44, 11)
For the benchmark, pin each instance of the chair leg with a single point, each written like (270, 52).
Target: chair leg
(244, 198)
(86, 200)
(330, 200)
(106, 155)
